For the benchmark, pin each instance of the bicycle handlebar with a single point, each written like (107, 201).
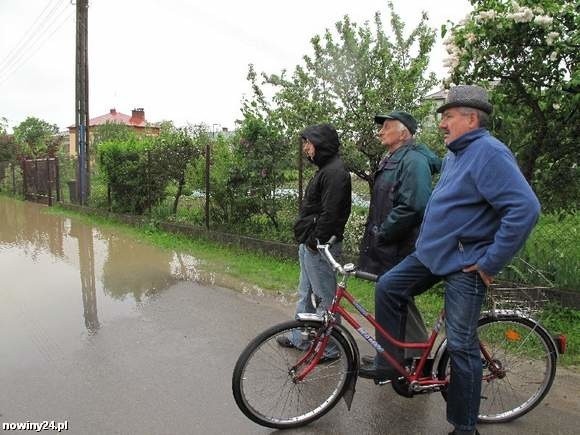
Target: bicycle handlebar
(325, 250)
(365, 275)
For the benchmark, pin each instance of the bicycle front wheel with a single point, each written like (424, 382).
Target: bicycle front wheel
(519, 365)
(265, 382)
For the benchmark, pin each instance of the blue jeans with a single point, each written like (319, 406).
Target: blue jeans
(318, 278)
(464, 294)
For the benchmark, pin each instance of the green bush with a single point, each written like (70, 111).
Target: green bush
(127, 168)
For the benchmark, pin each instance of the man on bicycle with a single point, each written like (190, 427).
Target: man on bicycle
(479, 215)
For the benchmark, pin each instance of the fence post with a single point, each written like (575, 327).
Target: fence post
(24, 180)
(36, 179)
(149, 181)
(109, 202)
(48, 182)
(13, 179)
(207, 165)
(57, 174)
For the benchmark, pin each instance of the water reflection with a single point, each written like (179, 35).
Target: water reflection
(135, 269)
(84, 234)
(55, 268)
(41, 254)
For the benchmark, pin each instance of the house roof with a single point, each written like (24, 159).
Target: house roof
(439, 95)
(136, 120)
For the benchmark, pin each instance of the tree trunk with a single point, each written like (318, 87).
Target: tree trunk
(178, 195)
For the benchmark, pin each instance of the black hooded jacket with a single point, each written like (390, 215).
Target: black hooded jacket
(327, 200)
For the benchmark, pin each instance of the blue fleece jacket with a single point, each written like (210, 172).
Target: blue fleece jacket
(481, 211)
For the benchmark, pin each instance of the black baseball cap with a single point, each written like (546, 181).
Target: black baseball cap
(405, 118)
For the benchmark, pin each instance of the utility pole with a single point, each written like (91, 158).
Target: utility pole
(82, 102)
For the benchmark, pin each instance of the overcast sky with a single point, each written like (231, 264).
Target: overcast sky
(180, 60)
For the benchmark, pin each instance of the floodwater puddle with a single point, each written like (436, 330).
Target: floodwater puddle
(65, 279)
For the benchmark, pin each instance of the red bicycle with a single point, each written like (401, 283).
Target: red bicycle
(284, 388)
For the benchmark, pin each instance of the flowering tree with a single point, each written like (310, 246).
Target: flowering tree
(354, 72)
(527, 54)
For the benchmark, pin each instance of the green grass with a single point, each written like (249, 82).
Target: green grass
(281, 276)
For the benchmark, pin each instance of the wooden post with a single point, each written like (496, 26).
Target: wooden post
(13, 178)
(57, 174)
(207, 166)
(48, 182)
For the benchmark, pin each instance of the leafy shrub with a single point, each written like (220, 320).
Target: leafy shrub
(127, 167)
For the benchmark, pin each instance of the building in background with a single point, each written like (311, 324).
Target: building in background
(136, 121)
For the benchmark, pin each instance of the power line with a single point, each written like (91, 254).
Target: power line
(24, 36)
(30, 41)
(15, 66)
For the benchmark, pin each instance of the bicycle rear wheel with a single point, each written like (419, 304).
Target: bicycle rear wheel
(264, 381)
(519, 369)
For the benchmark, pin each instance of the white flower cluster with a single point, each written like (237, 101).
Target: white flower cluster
(454, 52)
(486, 15)
(521, 15)
(543, 20)
(551, 37)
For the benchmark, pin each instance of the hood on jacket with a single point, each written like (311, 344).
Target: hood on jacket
(432, 159)
(325, 140)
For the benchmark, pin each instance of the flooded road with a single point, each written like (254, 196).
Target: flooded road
(115, 336)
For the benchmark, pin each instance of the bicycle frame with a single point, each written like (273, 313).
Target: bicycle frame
(427, 346)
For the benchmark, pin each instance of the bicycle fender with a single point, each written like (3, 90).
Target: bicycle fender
(497, 314)
(351, 389)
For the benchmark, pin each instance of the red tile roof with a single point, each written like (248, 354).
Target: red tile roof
(118, 117)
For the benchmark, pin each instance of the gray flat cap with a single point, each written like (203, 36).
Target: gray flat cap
(467, 96)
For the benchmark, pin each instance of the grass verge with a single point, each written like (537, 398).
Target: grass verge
(281, 276)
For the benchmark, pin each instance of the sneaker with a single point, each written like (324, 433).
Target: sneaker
(370, 371)
(367, 360)
(284, 341)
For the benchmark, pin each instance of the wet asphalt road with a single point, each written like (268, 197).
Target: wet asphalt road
(97, 330)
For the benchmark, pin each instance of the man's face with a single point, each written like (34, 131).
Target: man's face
(390, 133)
(308, 148)
(454, 123)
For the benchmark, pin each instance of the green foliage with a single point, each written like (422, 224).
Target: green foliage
(35, 138)
(527, 53)
(562, 320)
(128, 169)
(172, 154)
(3, 126)
(110, 131)
(7, 143)
(354, 73)
(554, 249)
(261, 154)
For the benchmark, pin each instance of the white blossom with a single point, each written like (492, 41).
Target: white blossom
(551, 37)
(471, 38)
(543, 20)
(450, 62)
(556, 106)
(523, 15)
(486, 15)
(553, 56)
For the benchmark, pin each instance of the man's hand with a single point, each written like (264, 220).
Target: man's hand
(487, 279)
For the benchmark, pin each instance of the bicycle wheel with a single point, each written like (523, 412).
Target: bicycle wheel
(264, 380)
(519, 369)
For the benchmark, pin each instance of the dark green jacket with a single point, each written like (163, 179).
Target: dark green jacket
(402, 187)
